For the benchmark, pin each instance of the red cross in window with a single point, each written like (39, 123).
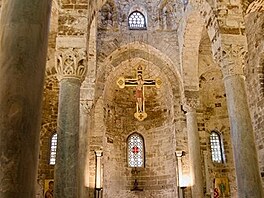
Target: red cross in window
(135, 149)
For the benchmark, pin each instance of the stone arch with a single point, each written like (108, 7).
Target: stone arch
(145, 52)
(193, 31)
(116, 64)
(120, 122)
(197, 20)
(140, 8)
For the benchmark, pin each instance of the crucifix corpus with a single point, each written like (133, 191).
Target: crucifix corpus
(139, 83)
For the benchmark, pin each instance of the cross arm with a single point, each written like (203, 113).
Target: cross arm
(149, 82)
(122, 82)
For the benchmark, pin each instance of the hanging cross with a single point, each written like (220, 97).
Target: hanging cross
(139, 83)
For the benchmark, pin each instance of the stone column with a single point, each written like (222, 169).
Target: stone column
(245, 155)
(179, 155)
(23, 49)
(85, 112)
(98, 177)
(71, 69)
(98, 174)
(194, 151)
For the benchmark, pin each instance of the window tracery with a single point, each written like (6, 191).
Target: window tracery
(137, 20)
(53, 149)
(135, 150)
(216, 147)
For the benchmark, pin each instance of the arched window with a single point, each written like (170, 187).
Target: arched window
(216, 147)
(135, 150)
(53, 148)
(137, 21)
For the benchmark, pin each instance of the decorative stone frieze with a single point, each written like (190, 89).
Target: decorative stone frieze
(233, 59)
(71, 63)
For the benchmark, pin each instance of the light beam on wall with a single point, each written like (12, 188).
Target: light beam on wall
(98, 176)
(185, 181)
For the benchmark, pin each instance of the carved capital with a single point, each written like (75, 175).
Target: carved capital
(233, 59)
(71, 63)
(190, 106)
(190, 101)
(98, 153)
(179, 154)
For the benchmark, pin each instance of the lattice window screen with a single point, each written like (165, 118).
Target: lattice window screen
(135, 150)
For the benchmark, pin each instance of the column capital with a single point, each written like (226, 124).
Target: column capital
(98, 153)
(71, 63)
(190, 101)
(232, 59)
(179, 154)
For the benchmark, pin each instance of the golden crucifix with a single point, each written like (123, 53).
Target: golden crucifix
(139, 83)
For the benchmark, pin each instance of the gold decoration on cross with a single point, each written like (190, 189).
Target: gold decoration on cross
(139, 83)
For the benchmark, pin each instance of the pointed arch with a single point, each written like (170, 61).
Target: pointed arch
(196, 21)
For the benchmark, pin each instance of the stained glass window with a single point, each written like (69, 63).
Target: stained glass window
(216, 147)
(53, 148)
(135, 150)
(136, 20)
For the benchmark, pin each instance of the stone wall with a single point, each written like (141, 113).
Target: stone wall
(112, 116)
(114, 33)
(158, 177)
(95, 139)
(254, 70)
(49, 126)
(73, 18)
(213, 116)
(50, 101)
